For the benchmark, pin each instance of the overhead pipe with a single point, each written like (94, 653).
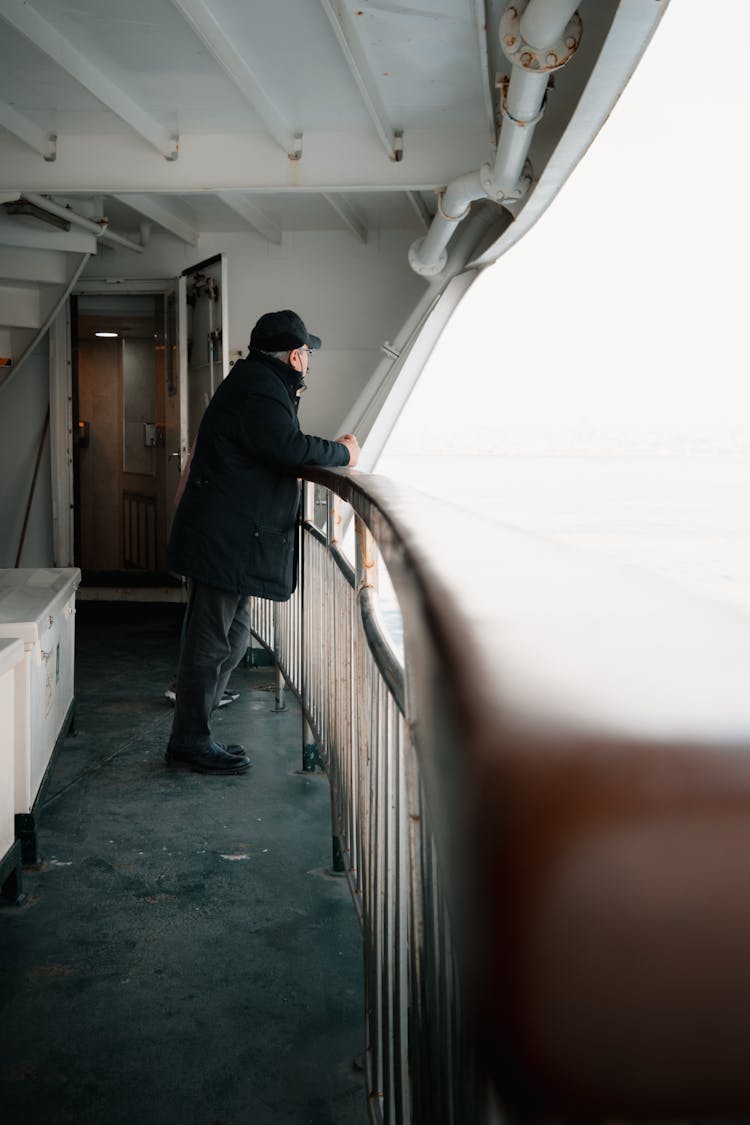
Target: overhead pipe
(98, 227)
(537, 37)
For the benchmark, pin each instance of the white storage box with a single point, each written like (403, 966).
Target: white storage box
(38, 606)
(12, 658)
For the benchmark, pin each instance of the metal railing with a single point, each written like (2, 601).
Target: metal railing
(330, 644)
(511, 806)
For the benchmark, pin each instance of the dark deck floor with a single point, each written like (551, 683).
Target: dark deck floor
(182, 955)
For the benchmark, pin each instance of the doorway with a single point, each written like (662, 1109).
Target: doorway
(125, 398)
(145, 359)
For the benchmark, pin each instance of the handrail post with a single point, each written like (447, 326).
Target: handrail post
(334, 524)
(366, 557)
(279, 689)
(334, 519)
(310, 755)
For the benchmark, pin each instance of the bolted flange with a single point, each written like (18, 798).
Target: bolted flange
(520, 53)
(426, 269)
(489, 183)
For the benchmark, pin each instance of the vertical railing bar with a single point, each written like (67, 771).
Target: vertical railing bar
(352, 702)
(390, 889)
(404, 1100)
(304, 631)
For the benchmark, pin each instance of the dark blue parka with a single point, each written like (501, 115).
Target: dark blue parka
(235, 526)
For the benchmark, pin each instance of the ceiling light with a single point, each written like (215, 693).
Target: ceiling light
(105, 333)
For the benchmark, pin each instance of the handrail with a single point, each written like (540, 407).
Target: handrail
(550, 849)
(388, 665)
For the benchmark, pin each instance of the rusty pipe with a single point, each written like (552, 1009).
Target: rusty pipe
(532, 36)
(99, 228)
(544, 21)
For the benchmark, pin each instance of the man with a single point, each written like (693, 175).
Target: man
(234, 531)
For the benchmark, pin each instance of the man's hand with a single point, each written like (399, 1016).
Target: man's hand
(352, 445)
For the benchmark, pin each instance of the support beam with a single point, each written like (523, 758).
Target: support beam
(210, 32)
(28, 132)
(48, 39)
(96, 227)
(152, 208)
(252, 215)
(15, 234)
(346, 212)
(345, 160)
(351, 47)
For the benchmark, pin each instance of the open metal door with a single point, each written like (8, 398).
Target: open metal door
(198, 359)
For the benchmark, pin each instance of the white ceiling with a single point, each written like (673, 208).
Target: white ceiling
(263, 115)
(112, 91)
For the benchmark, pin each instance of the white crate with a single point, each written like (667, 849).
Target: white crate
(39, 607)
(11, 678)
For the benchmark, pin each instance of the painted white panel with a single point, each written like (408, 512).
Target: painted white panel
(23, 405)
(47, 267)
(19, 307)
(38, 606)
(11, 676)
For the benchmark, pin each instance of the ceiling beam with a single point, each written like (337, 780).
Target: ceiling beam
(16, 234)
(28, 131)
(48, 39)
(160, 213)
(210, 32)
(252, 215)
(342, 161)
(351, 47)
(346, 212)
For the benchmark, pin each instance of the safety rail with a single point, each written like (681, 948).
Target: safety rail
(331, 647)
(544, 817)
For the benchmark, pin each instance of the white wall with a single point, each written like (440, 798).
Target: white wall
(354, 296)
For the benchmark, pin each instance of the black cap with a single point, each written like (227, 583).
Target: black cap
(282, 332)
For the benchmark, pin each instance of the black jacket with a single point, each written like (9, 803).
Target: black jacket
(235, 526)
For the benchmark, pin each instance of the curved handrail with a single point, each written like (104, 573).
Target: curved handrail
(599, 718)
(382, 651)
(581, 744)
(388, 665)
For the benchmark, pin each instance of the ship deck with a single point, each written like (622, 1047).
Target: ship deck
(183, 953)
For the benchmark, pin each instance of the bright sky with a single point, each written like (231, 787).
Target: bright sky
(635, 334)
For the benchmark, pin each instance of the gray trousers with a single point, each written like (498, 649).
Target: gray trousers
(215, 635)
